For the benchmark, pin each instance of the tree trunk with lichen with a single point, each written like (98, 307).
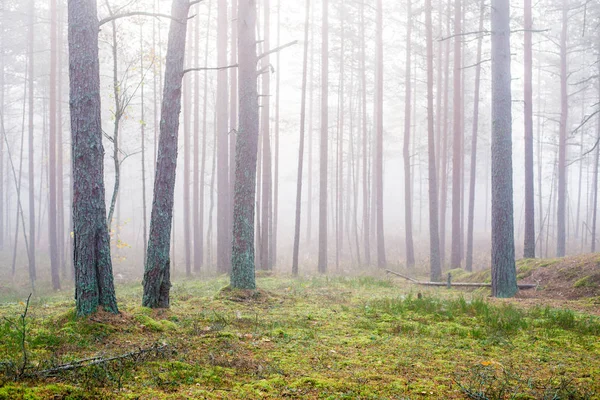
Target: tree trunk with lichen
(157, 278)
(504, 275)
(242, 256)
(94, 284)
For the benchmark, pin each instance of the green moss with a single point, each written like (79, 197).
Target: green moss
(588, 281)
(156, 325)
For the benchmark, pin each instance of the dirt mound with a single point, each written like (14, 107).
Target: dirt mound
(568, 278)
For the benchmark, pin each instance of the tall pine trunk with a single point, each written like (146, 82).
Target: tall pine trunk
(471, 217)
(434, 238)
(561, 208)
(301, 147)
(157, 281)
(408, 211)
(323, 158)
(223, 208)
(504, 276)
(94, 284)
(455, 255)
(242, 256)
(381, 258)
(529, 245)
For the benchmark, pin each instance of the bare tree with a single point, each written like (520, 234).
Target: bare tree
(408, 211)
(301, 146)
(457, 161)
(471, 218)
(265, 125)
(223, 206)
(381, 259)
(434, 238)
(322, 264)
(561, 208)
(31, 175)
(529, 245)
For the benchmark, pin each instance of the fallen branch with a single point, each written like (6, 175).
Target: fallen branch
(87, 362)
(449, 283)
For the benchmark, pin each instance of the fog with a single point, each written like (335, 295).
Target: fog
(26, 106)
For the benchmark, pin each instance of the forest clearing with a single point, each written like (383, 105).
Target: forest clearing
(248, 199)
(320, 337)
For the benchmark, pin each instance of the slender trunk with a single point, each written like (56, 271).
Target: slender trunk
(408, 219)
(118, 113)
(471, 218)
(322, 264)
(456, 143)
(562, 144)
(339, 208)
(233, 115)
(223, 208)
(63, 254)
(31, 175)
(434, 238)
(275, 208)
(444, 157)
(310, 131)
(595, 182)
(143, 140)
(381, 258)
(301, 146)
(187, 143)
(529, 245)
(209, 233)
(365, 154)
(157, 281)
(265, 126)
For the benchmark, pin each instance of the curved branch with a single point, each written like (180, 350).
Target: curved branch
(132, 14)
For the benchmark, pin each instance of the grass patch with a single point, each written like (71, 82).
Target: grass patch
(316, 337)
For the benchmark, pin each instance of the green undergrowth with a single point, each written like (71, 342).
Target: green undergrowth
(330, 338)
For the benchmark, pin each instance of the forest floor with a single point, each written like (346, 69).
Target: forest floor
(333, 338)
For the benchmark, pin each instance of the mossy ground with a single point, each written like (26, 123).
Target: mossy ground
(362, 337)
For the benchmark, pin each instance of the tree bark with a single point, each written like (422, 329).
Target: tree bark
(471, 217)
(301, 146)
(529, 245)
(381, 258)
(434, 238)
(157, 282)
(561, 208)
(94, 284)
(143, 140)
(31, 175)
(187, 143)
(323, 159)
(408, 219)
(233, 114)
(265, 126)
(365, 154)
(242, 256)
(52, 141)
(504, 276)
(223, 208)
(455, 255)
